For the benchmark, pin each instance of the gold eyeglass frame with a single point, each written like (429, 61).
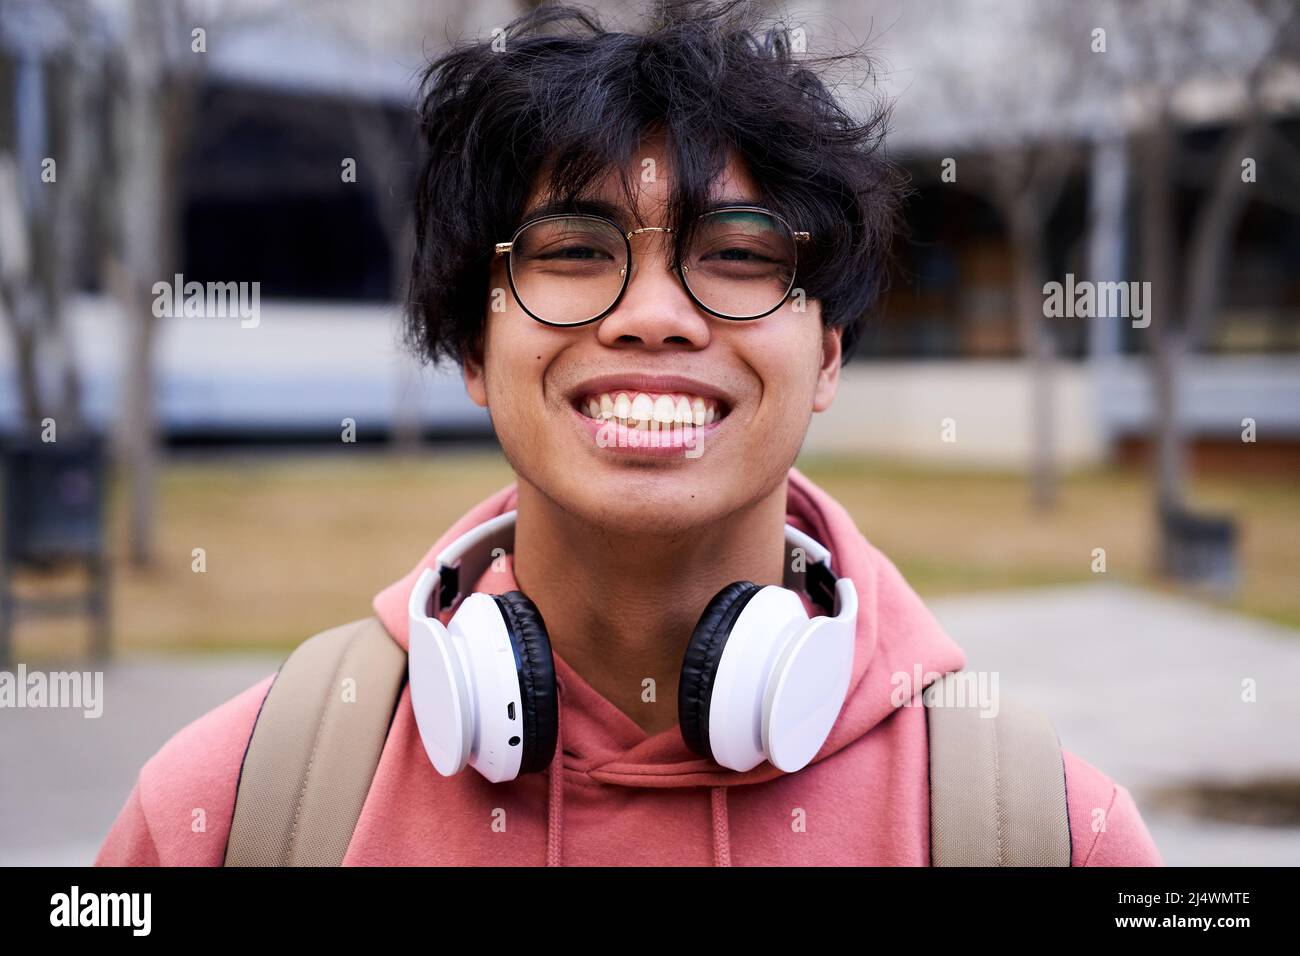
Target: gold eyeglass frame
(505, 248)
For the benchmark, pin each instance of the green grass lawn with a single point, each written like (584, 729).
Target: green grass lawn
(297, 543)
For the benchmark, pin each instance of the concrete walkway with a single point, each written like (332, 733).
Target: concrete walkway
(1145, 687)
(1148, 689)
(64, 777)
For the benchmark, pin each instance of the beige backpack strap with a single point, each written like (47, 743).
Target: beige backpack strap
(997, 783)
(315, 747)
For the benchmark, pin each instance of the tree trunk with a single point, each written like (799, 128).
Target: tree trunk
(141, 260)
(1167, 340)
(1213, 234)
(70, 236)
(1027, 244)
(139, 430)
(20, 306)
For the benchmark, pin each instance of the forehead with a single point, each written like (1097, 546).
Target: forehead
(650, 175)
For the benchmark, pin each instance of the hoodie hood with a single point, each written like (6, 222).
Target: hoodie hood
(898, 640)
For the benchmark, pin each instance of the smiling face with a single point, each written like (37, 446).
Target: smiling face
(727, 402)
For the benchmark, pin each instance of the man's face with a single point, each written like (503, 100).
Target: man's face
(765, 377)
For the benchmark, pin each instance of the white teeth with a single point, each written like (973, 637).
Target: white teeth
(682, 414)
(652, 412)
(642, 407)
(698, 411)
(665, 409)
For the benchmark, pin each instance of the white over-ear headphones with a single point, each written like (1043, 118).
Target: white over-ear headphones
(760, 679)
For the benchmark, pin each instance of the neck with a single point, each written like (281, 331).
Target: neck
(621, 608)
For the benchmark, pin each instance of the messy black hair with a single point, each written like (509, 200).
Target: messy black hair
(557, 99)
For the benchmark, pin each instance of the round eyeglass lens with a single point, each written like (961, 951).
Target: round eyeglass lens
(568, 269)
(741, 263)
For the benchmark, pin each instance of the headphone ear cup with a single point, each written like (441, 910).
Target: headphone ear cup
(536, 669)
(700, 663)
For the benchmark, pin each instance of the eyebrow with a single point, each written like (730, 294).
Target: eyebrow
(603, 207)
(596, 207)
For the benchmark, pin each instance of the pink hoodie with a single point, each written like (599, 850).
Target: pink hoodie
(625, 798)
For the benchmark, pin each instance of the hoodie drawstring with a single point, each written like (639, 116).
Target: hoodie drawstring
(555, 805)
(555, 792)
(721, 828)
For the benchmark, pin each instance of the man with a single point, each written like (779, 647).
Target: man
(650, 255)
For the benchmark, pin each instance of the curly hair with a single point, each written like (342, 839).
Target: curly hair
(555, 98)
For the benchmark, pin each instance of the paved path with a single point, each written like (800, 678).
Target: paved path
(64, 777)
(1148, 688)
(1143, 686)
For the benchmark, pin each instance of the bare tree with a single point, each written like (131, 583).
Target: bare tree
(1240, 45)
(1027, 184)
(153, 79)
(1004, 84)
(42, 225)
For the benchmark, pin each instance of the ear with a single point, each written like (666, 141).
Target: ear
(475, 380)
(828, 375)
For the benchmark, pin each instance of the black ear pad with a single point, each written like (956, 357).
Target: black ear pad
(536, 669)
(700, 665)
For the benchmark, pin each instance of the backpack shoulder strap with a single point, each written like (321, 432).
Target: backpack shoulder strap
(997, 783)
(315, 747)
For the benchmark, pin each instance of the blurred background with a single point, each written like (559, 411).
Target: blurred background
(1104, 508)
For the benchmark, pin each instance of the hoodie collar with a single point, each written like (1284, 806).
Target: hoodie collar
(896, 634)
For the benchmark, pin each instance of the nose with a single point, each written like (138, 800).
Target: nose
(655, 311)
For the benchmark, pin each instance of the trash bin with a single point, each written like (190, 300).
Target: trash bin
(53, 517)
(1201, 550)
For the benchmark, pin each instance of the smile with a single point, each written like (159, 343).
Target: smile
(651, 411)
(649, 424)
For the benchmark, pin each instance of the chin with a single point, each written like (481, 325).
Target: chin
(660, 504)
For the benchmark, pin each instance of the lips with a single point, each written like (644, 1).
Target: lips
(649, 415)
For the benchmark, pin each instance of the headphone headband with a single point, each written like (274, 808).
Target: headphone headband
(470, 555)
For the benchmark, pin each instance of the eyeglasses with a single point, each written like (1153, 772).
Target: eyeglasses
(572, 269)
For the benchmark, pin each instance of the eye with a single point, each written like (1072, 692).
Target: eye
(736, 254)
(574, 252)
